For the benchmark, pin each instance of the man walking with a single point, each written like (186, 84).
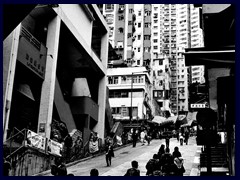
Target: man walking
(109, 153)
(134, 171)
(167, 139)
(134, 138)
(186, 136)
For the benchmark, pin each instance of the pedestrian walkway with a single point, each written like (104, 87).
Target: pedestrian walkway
(123, 157)
(189, 154)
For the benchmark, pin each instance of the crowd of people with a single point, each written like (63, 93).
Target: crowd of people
(163, 163)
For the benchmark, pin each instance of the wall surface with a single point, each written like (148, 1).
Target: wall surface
(83, 24)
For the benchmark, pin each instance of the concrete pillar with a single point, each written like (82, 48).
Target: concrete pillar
(100, 127)
(48, 87)
(10, 50)
(104, 50)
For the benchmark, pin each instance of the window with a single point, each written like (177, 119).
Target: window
(155, 27)
(139, 13)
(147, 37)
(155, 40)
(139, 37)
(129, 22)
(120, 30)
(155, 8)
(120, 18)
(147, 13)
(155, 21)
(130, 11)
(109, 7)
(139, 49)
(112, 80)
(147, 25)
(139, 24)
(129, 35)
(155, 47)
(138, 62)
(116, 110)
(147, 49)
(155, 34)
(160, 62)
(138, 79)
(120, 44)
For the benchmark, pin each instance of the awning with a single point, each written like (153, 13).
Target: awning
(159, 119)
(172, 118)
(191, 119)
(190, 123)
(210, 57)
(191, 116)
(182, 119)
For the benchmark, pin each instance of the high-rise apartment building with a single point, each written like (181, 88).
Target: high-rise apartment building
(130, 32)
(155, 36)
(189, 35)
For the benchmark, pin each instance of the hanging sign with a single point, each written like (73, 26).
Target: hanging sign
(35, 140)
(54, 147)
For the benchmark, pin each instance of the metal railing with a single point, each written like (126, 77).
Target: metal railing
(14, 142)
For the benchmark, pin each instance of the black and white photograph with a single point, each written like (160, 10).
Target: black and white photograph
(119, 89)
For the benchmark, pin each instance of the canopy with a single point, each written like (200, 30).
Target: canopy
(191, 119)
(163, 121)
(159, 119)
(182, 119)
(191, 116)
(172, 118)
(190, 123)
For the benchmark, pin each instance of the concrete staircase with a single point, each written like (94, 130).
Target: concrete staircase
(219, 161)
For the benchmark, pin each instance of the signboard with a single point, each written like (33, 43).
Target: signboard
(35, 140)
(199, 105)
(54, 147)
(32, 53)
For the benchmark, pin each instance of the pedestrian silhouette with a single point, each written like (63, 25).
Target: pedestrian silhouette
(109, 153)
(176, 153)
(94, 172)
(133, 171)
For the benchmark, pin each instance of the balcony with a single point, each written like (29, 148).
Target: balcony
(84, 105)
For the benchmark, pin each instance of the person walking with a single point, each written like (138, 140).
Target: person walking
(186, 136)
(167, 140)
(181, 139)
(59, 168)
(109, 153)
(176, 153)
(167, 162)
(133, 171)
(134, 138)
(178, 167)
(153, 165)
(161, 151)
(142, 136)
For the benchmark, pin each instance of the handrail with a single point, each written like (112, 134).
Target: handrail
(15, 134)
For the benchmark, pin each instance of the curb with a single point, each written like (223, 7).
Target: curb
(80, 160)
(195, 171)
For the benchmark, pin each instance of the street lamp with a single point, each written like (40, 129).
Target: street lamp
(130, 114)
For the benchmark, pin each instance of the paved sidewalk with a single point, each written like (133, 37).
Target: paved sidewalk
(142, 154)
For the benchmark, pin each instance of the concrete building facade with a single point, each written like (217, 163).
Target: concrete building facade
(129, 88)
(55, 71)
